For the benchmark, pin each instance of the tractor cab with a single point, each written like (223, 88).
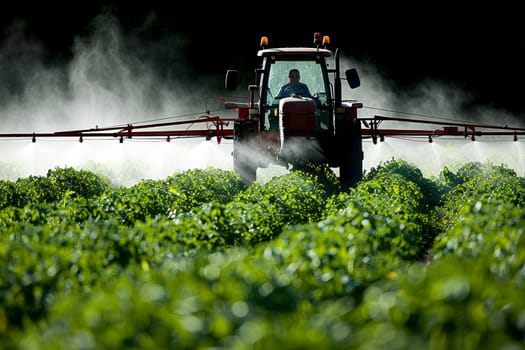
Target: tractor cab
(277, 64)
(310, 125)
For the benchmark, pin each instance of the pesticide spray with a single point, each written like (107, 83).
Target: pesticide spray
(108, 83)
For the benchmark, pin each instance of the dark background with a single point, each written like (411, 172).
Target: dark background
(478, 48)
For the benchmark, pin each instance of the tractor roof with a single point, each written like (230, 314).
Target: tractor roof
(294, 52)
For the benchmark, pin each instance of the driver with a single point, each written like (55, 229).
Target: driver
(294, 86)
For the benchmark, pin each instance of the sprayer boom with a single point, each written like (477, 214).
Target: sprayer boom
(220, 128)
(374, 131)
(214, 127)
(294, 124)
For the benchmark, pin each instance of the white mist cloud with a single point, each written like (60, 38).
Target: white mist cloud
(110, 80)
(431, 100)
(113, 79)
(438, 100)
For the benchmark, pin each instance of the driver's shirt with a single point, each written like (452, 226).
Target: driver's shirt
(288, 90)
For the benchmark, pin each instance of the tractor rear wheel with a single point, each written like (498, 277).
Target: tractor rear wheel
(245, 146)
(351, 161)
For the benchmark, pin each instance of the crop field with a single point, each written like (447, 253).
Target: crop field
(199, 261)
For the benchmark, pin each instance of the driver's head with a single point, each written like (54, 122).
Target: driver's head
(294, 76)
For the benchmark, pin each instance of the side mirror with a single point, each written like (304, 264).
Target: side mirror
(353, 78)
(232, 79)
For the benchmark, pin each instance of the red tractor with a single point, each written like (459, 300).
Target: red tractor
(296, 130)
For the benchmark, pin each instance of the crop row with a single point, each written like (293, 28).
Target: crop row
(199, 261)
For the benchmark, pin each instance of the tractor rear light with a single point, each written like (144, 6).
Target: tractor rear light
(264, 41)
(326, 40)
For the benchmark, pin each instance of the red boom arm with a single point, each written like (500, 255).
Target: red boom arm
(220, 128)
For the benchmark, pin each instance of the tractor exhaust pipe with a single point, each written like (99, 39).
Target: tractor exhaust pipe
(337, 81)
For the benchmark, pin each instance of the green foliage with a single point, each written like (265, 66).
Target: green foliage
(451, 304)
(81, 183)
(7, 193)
(395, 199)
(213, 300)
(194, 187)
(251, 223)
(33, 189)
(170, 197)
(199, 261)
(298, 196)
(34, 214)
(39, 262)
(487, 231)
(432, 192)
(473, 171)
(259, 213)
(322, 175)
(475, 182)
(50, 188)
(142, 201)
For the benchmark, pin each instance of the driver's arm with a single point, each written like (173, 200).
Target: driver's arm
(282, 92)
(306, 91)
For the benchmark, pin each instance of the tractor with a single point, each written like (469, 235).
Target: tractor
(296, 130)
